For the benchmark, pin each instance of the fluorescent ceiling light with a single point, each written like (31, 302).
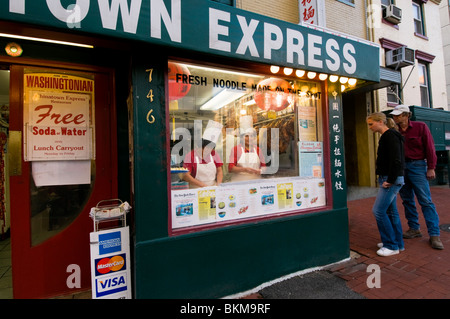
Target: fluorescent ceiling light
(221, 99)
(22, 37)
(251, 102)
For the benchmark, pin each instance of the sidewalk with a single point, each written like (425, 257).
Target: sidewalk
(419, 272)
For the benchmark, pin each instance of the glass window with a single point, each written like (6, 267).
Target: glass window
(59, 128)
(424, 85)
(243, 145)
(418, 21)
(393, 94)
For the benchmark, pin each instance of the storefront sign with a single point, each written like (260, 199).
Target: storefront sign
(57, 118)
(110, 264)
(308, 11)
(337, 146)
(226, 31)
(58, 126)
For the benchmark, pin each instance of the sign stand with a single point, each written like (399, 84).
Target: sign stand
(110, 252)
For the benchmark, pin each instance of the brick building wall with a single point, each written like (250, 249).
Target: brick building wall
(286, 10)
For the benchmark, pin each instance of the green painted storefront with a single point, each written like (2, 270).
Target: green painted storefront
(219, 261)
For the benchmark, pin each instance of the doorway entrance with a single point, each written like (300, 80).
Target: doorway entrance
(61, 162)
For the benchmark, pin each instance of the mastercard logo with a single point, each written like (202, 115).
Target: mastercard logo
(105, 265)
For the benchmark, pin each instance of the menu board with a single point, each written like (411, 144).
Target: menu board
(232, 201)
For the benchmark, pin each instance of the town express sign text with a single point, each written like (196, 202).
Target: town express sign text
(208, 27)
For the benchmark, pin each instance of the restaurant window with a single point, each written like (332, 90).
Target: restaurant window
(424, 85)
(243, 145)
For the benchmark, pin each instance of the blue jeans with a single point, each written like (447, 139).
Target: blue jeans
(416, 183)
(386, 214)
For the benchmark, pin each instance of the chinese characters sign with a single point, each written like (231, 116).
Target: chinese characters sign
(308, 11)
(337, 150)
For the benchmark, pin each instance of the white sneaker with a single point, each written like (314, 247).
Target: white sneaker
(379, 245)
(383, 251)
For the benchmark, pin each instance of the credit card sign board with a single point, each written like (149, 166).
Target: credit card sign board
(110, 264)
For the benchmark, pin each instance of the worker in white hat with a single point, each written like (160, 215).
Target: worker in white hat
(203, 163)
(246, 160)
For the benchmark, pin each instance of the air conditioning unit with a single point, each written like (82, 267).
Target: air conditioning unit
(400, 57)
(393, 14)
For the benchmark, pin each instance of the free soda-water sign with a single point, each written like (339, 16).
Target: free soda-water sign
(57, 118)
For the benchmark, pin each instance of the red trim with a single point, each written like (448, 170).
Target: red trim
(389, 44)
(422, 36)
(423, 56)
(168, 136)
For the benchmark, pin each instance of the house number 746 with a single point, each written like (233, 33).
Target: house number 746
(150, 117)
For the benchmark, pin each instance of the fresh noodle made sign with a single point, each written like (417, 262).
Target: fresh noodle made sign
(57, 125)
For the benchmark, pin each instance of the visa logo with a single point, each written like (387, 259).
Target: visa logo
(111, 285)
(112, 282)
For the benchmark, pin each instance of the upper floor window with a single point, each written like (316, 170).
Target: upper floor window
(424, 85)
(393, 94)
(418, 18)
(387, 2)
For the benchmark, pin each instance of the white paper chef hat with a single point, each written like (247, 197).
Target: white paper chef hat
(212, 131)
(246, 124)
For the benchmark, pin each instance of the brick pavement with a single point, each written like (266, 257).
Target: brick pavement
(419, 272)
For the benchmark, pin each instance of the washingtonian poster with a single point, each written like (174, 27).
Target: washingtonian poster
(59, 128)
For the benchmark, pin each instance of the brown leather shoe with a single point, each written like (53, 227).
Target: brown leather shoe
(436, 243)
(412, 233)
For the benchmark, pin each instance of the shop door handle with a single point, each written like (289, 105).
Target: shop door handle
(15, 153)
